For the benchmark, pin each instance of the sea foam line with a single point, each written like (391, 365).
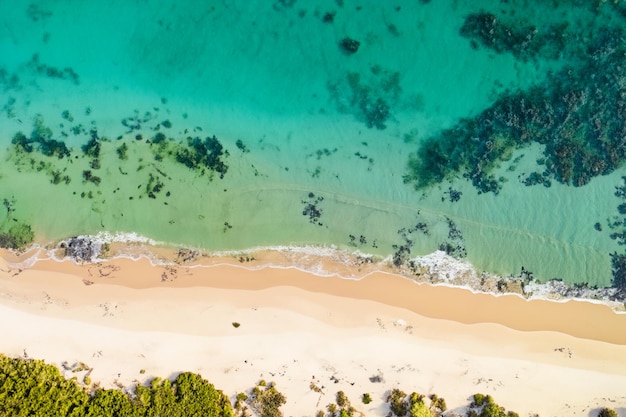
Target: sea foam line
(441, 269)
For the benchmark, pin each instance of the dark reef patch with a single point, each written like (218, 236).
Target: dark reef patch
(205, 156)
(452, 194)
(312, 209)
(617, 225)
(241, 146)
(136, 121)
(89, 177)
(36, 13)
(329, 17)
(49, 71)
(402, 252)
(524, 41)
(25, 153)
(17, 236)
(122, 151)
(322, 152)
(369, 96)
(40, 140)
(154, 186)
(14, 234)
(577, 115)
(349, 46)
(618, 267)
(454, 245)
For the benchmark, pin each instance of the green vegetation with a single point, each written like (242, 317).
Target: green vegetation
(607, 412)
(438, 404)
(366, 398)
(343, 408)
(397, 402)
(33, 388)
(266, 400)
(188, 395)
(414, 405)
(240, 401)
(485, 406)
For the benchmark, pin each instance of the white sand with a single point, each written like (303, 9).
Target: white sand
(296, 336)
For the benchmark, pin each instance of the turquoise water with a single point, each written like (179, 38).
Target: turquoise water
(313, 139)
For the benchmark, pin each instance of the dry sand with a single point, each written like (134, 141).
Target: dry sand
(123, 316)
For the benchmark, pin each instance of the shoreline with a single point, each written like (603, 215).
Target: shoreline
(435, 269)
(295, 325)
(421, 298)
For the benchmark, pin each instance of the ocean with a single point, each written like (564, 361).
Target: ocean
(488, 130)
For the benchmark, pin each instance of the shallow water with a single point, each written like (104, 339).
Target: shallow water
(312, 156)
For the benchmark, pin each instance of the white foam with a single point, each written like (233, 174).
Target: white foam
(442, 269)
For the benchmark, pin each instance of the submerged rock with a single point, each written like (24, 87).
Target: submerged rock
(81, 248)
(349, 46)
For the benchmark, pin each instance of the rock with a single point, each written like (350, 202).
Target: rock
(81, 248)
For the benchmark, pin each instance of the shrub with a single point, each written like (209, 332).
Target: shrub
(31, 387)
(366, 398)
(479, 400)
(267, 403)
(397, 402)
(342, 399)
(607, 412)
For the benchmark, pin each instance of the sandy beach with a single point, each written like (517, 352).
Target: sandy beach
(131, 321)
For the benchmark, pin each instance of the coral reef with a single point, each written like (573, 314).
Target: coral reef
(577, 114)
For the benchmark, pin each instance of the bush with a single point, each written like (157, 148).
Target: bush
(479, 400)
(366, 398)
(267, 403)
(607, 412)
(33, 388)
(397, 402)
(342, 399)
